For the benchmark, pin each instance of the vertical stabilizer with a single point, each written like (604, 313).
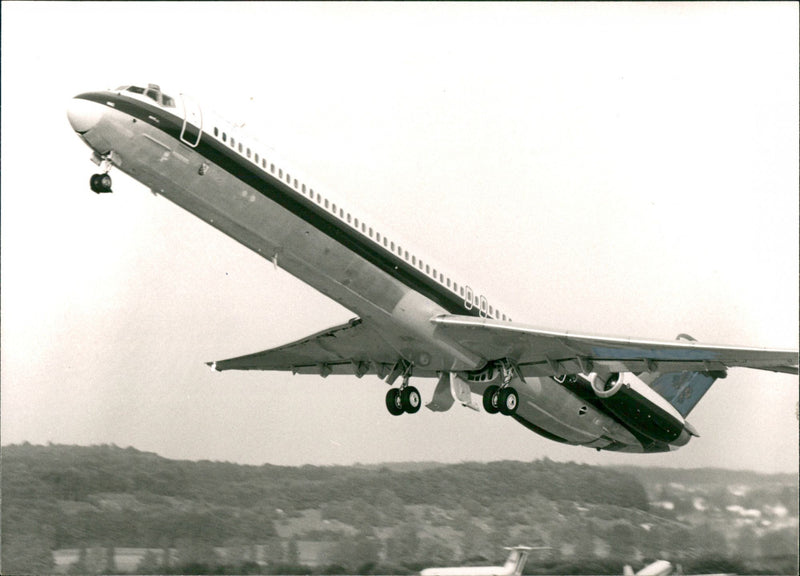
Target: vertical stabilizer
(516, 560)
(684, 389)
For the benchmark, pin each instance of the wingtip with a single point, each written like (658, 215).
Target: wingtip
(213, 366)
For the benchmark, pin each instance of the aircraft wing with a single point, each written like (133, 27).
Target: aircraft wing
(352, 348)
(540, 352)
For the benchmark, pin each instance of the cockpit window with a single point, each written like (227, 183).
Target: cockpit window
(153, 92)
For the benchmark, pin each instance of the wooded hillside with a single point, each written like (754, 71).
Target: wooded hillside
(187, 516)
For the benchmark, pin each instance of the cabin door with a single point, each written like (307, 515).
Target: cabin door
(192, 122)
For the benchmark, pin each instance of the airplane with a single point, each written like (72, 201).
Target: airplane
(412, 317)
(512, 567)
(659, 568)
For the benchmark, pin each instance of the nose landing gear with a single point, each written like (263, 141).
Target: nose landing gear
(101, 183)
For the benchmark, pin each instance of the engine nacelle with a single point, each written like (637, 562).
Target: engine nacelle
(640, 407)
(605, 386)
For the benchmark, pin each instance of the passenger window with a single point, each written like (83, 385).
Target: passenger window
(392, 246)
(304, 188)
(370, 231)
(272, 168)
(256, 157)
(398, 248)
(356, 222)
(240, 147)
(414, 260)
(319, 199)
(326, 203)
(341, 212)
(427, 268)
(280, 172)
(248, 152)
(233, 142)
(378, 237)
(448, 282)
(348, 217)
(216, 131)
(224, 137)
(295, 182)
(264, 163)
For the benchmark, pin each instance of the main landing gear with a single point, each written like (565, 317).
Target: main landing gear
(101, 183)
(503, 398)
(406, 398)
(399, 400)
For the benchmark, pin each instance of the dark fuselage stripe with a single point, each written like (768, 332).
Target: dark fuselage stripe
(276, 190)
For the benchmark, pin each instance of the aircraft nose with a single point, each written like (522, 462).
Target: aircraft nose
(83, 115)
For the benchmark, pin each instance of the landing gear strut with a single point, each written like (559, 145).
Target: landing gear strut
(503, 398)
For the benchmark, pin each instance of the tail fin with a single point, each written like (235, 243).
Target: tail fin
(516, 560)
(684, 389)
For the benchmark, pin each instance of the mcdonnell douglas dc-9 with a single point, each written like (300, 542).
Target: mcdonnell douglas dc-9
(413, 319)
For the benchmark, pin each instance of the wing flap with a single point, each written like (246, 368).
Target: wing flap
(541, 352)
(351, 348)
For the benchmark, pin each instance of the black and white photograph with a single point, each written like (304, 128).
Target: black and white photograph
(365, 288)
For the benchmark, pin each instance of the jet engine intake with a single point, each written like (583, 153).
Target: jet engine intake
(605, 386)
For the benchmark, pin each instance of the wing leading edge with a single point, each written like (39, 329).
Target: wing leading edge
(540, 352)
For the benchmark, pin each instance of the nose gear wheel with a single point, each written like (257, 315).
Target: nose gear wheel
(100, 183)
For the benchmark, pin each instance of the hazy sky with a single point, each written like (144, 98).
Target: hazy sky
(613, 168)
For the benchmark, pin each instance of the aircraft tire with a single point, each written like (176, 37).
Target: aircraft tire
(393, 402)
(490, 399)
(508, 401)
(100, 183)
(410, 399)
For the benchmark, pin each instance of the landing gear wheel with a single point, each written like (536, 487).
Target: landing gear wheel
(490, 398)
(410, 399)
(100, 183)
(393, 402)
(508, 401)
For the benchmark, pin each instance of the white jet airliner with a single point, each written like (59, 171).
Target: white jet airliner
(513, 566)
(413, 318)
